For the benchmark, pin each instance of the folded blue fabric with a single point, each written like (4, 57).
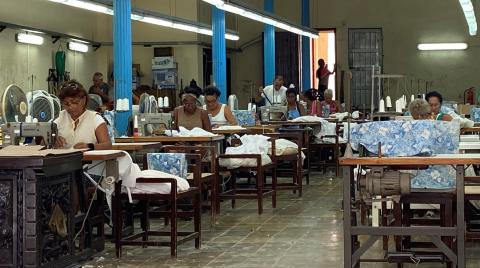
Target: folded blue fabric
(172, 163)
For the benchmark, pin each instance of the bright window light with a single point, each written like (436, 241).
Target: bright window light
(442, 46)
(75, 46)
(29, 39)
(251, 13)
(98, 7)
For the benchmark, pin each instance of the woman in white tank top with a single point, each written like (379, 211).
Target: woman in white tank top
(220, 113)
(78, 127)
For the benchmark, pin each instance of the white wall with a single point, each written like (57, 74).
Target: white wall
(19, 61)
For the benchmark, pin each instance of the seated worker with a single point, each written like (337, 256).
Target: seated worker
(294, 108)
(313, 105)
(78, 127)
(272, 95)
(420, 109)
(333, 105)
(189, 115)
(221, 113)
(435, 100)
(100, 88)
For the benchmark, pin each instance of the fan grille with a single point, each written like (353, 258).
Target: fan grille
(41, 109)
(14, 103)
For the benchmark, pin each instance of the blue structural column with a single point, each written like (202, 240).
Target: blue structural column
(219, 52)
(306, 78)
(122, 60)
(268, 47)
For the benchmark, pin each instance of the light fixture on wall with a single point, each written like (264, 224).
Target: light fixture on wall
(469, 13)
(29, 38)
(239, 8)
(77, 46)
(105, 7)
(442, 46)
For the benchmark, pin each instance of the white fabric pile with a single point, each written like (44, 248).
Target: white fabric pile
(230, 128)
(128, 173)
(195, 132)
(258, 144)
(251, 144)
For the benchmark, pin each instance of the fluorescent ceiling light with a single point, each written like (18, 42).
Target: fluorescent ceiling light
(75, 46)
(171, 22)
(86, 5)
(469, 13)
(29, 39)
(442, 46)
(243, 10)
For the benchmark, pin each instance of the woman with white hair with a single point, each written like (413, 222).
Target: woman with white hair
(333, 105)
(419, 109)
(189, 115)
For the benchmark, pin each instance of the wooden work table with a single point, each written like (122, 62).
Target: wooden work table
(136, 146)
(102, 155)
(169, 139)
(439, 159)
(229, 131)
(470, 129)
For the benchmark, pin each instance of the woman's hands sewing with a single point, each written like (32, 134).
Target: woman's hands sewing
(60, 142)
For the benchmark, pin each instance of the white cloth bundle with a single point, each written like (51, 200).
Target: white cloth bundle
(128, 173)
(251, 144)
(195, 132)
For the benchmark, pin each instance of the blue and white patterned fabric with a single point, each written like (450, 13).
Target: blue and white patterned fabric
(475, 114)
(447, 108)
(407, 138)
(244, 117)
(410, 138)
(172, 163)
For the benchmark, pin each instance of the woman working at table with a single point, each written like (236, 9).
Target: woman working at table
(221, 113)
(78, 127)
(435, 100)
(294, 108)
(313, 105)
(189, 115)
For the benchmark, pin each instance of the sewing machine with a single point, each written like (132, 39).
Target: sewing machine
(12, 132)
(148, 122)
(273, 113)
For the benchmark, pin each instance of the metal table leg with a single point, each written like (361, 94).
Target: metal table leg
(347, 220)
(460, 216)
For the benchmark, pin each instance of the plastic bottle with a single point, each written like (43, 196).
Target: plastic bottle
(325, 111)
(135, 126)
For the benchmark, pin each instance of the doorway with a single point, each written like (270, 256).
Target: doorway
(324, 47)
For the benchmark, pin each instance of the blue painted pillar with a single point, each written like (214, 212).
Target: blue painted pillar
(219, 52)
(122, 60)
(268, 47)
(306, 78)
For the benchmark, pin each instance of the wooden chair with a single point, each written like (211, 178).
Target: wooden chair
(161, 205)
(170, 211)
(293, 161)
(206, 180)
(333, 149)
(260, 191)
(307, 133)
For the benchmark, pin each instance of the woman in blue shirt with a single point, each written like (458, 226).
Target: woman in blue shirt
(294, 108)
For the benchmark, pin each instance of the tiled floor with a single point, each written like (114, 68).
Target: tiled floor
(300, 232)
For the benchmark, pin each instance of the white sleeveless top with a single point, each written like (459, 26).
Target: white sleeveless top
(220, 118)
(85, 131)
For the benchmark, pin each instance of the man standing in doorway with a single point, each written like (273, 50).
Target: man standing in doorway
(322, 75)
